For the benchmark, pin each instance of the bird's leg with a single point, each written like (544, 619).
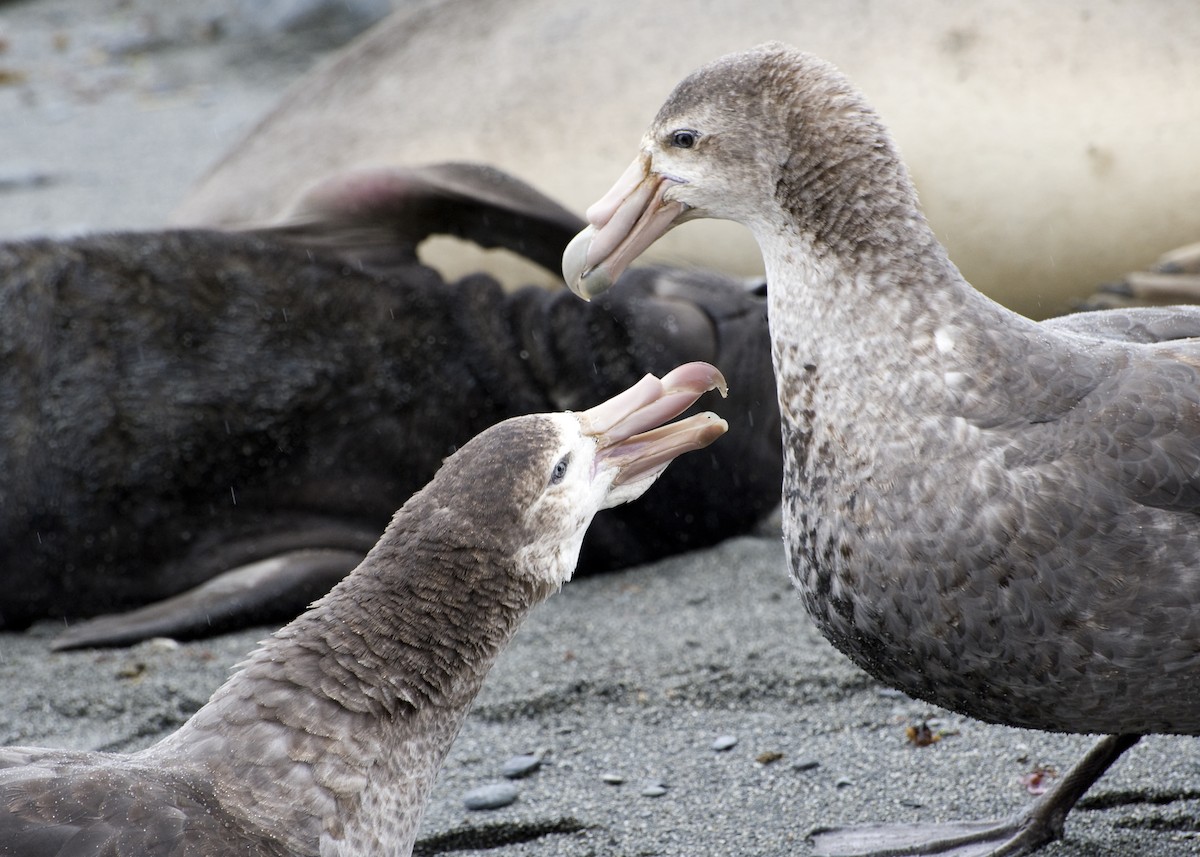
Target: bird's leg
(1024, 833)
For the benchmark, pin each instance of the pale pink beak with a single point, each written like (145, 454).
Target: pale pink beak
(626, 220)
(629, 429)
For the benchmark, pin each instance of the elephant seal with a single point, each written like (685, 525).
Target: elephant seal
(211, 428)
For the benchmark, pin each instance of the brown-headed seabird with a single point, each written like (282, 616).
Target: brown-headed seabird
(328, 737)
(988, 513)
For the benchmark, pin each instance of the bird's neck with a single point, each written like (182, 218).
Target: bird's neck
(881, 305)
(880, 346)
(337, 725)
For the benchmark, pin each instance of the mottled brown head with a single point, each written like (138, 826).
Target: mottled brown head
(499, 476)
(528, 487)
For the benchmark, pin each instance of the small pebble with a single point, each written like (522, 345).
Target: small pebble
(724, 742)
(342, 18)
(612, 779)
(160, 644)
(842, 782)
(491, 796)
(131, 670)
(654, 789)
(805, 765)
(521, 766)
(24, 178)
(922, 735)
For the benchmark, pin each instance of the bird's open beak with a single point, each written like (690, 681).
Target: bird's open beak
(627, 220)
(629, 430)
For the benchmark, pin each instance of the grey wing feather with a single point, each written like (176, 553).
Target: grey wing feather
(62, 804)
(1143, 427)
(1137, 428)
(1132, 324)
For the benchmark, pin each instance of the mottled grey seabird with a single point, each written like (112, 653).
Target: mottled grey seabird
(328, 737)
(991, 514)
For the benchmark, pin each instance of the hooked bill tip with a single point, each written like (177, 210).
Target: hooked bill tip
(697, 377)
(583, 279)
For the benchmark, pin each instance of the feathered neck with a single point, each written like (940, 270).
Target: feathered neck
(337, 725)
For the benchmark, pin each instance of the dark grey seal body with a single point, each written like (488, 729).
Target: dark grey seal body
(245, 412)
(328, 738)
(991, 514)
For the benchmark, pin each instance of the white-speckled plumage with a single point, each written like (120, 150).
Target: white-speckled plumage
(327, 739)
(991, 514)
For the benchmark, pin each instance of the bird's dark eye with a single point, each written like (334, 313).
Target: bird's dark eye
(684, 139)
(560, 469)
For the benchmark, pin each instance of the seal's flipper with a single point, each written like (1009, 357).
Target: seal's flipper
(1173, 279)
(377, 216)
(274, 589)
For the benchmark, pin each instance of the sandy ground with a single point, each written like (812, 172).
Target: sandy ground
(107, 114)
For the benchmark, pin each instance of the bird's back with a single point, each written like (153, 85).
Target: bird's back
(1041, 566)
